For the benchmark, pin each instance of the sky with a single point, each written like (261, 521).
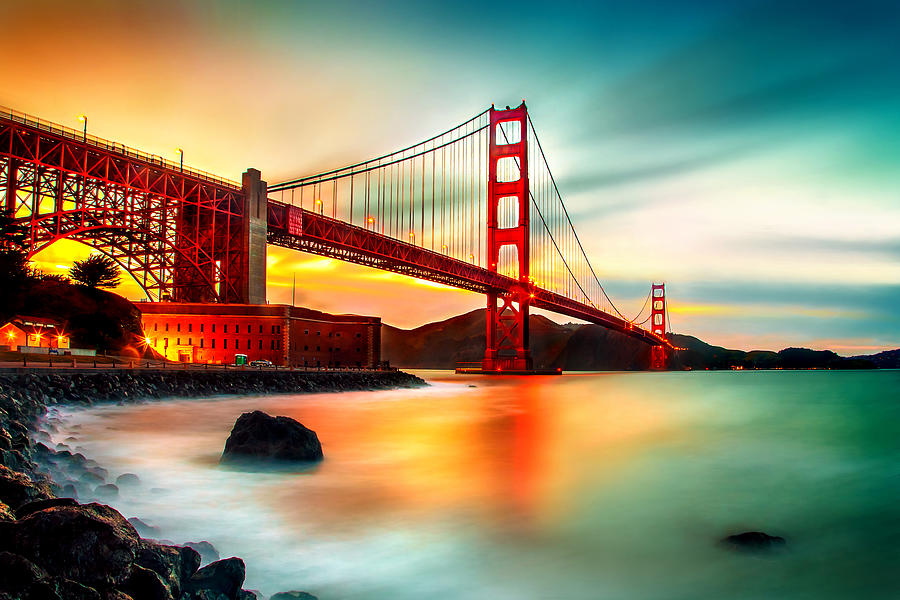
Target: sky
(746, 153)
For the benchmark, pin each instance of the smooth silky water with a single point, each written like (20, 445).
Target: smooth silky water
(585, 486)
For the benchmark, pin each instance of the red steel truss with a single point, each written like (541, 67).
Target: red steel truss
(307, 231)
(507, 323)
(179, 233)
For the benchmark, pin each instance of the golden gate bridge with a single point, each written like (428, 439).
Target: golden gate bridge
(475, 207)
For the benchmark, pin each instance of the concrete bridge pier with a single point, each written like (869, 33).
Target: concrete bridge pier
(255, 234)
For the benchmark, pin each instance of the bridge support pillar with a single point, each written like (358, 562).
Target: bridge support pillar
(253, 288)
(658, 354)
(507, 312)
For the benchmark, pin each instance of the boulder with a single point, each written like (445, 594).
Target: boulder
(26, 509)
(107, 491)
(145, 584)
(207, 551)
(72, 590)
(222, 578)
(144, 530)
(258, 436)
(18, 574)
(92, 543)
(17, 488)
(6, 514)
(754, 541)
(174, 564)
(127, 480)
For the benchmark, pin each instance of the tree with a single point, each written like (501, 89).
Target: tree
(15, 273)
(96, 271)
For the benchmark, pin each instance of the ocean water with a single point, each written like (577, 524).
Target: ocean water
(584, 486)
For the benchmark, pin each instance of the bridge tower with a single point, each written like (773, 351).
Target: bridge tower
(507, 312)
(658, 324)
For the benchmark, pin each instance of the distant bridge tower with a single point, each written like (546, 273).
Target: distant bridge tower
(507, 228)
(658, 324)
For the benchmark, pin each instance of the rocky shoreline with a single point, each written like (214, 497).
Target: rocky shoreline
(51, 546)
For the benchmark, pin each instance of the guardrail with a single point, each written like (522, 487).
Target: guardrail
(61, 130)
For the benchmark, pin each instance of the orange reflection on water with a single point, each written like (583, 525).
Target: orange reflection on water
(507, 453)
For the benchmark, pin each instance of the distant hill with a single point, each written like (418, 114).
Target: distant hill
(574, 347)
(889, 359)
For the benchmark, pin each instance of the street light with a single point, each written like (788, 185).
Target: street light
(83, 118)
(180, 154)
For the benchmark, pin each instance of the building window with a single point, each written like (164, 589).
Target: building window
(189, 342)
(237, 328)
(248, 344)
(357, 349)
(178, 327)
(318, 348)
(318, 333)
(225, 328)
(260, 344)
(248, 328)
(273, 329)
(177, 341)
(337, 349)
(225, 344)
(201, 342)
(260, 328)
(167, 326)
(156, 327)
(201, 327)
(306, 347)
(338, 334)
(190, 327)
(306, 332)
(212, 343)
(213, 327)
(358, 335)
(237, 344)
(330, 334)
(272, 345)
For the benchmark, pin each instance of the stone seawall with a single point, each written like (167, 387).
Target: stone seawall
(54, 547)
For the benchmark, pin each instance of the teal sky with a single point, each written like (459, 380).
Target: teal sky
(745, 152)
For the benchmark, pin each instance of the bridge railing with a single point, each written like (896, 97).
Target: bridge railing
(61, 130)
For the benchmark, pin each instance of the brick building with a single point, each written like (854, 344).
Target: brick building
(285, 335)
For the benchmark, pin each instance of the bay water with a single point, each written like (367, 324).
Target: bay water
(580, 486)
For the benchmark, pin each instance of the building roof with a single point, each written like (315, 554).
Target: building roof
(248, 310)
(29, 323)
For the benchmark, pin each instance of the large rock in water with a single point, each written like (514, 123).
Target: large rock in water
(754, 541)
(257, 435)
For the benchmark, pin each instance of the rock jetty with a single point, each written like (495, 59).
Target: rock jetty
(54, 547)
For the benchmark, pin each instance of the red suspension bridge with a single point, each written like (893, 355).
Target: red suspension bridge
(475, 207)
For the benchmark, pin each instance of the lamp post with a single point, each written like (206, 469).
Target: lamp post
(180, 153)
(83, 118)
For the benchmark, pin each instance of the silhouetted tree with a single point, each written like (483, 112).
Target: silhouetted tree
(15, 274)
(96, 271)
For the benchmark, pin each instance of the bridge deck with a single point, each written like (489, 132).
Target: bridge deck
(307, 231)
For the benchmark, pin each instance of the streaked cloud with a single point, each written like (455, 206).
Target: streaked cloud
(746, 152)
